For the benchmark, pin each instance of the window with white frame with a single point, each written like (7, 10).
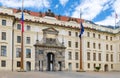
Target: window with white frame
(3, 51)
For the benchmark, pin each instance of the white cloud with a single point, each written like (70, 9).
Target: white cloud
(27, 3)
(63, 2)
(110, 20)
(90, 8)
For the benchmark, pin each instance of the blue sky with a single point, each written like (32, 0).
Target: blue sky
(99, 11)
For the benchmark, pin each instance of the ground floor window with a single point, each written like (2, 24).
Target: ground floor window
(18, 63)
(3, 63)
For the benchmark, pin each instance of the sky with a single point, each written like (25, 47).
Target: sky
(101, 12)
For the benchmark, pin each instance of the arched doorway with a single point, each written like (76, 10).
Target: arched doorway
(28, 66)
(106, 67)
(50, 61)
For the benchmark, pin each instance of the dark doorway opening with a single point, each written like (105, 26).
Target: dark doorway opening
(50, 58)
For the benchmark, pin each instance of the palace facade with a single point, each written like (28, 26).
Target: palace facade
(51, 43)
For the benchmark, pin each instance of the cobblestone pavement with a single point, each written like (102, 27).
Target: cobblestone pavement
(4, 74)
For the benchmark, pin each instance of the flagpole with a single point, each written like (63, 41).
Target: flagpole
(81, 67)
(22, 48)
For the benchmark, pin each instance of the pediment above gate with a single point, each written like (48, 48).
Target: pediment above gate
(50, 39)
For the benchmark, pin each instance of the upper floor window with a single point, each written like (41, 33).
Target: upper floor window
(18, 52)
(111, 57)
(69, 55)
(69, 32)
(93, 35)
(3, 50)
(99, 36)
(18, 39)
(106, 37)
(76, 34)
(94, 45)
(27, 40)
(76, 44)
(94, 56)
(28, 53)
(3, 35)
(111, 38)
(88, 56)
(107, 57)
(88, 34)
(111, 47)
(19, 26)
(99, 56)
(69, 43)
(28, 28)
(99, 46)
(88, 44)
(106, 46)
(76, 55)
(4, 22)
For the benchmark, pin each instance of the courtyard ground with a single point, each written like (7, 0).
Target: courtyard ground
(4, 74)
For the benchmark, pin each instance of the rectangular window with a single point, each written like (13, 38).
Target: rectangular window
(18, 63)
(18, 39)
(107, 57)
(76, 34)
(111, 66)
(93, 35)
(94, 56)
(99, 56)
(28, 28)
(4, 22)
(106, 46)
(18, 52)
(111, 38)
(99, 36)
(28, 53)
(3, 63)
(77, 65)
(69, 55)
(3, 51)
(111, 57)
(111, 48)
(69, 43)
(88, 65)
(76, 44)
(27, 40)
(106, 37)
(88, 56)
(88, 44)
(3, 35)
(94, 45)
(69, 32)
(19, 26)
(76, 55)
(99, 46)
(88, 34)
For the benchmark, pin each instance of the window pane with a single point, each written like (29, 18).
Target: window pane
(3, 63)
(3, 51)
(28, 53)
(4, 22)
(3, 35)
(28, 28)
(18, 52)
(18, 39)
(18, 63)
(19, 26)
(28, 40)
